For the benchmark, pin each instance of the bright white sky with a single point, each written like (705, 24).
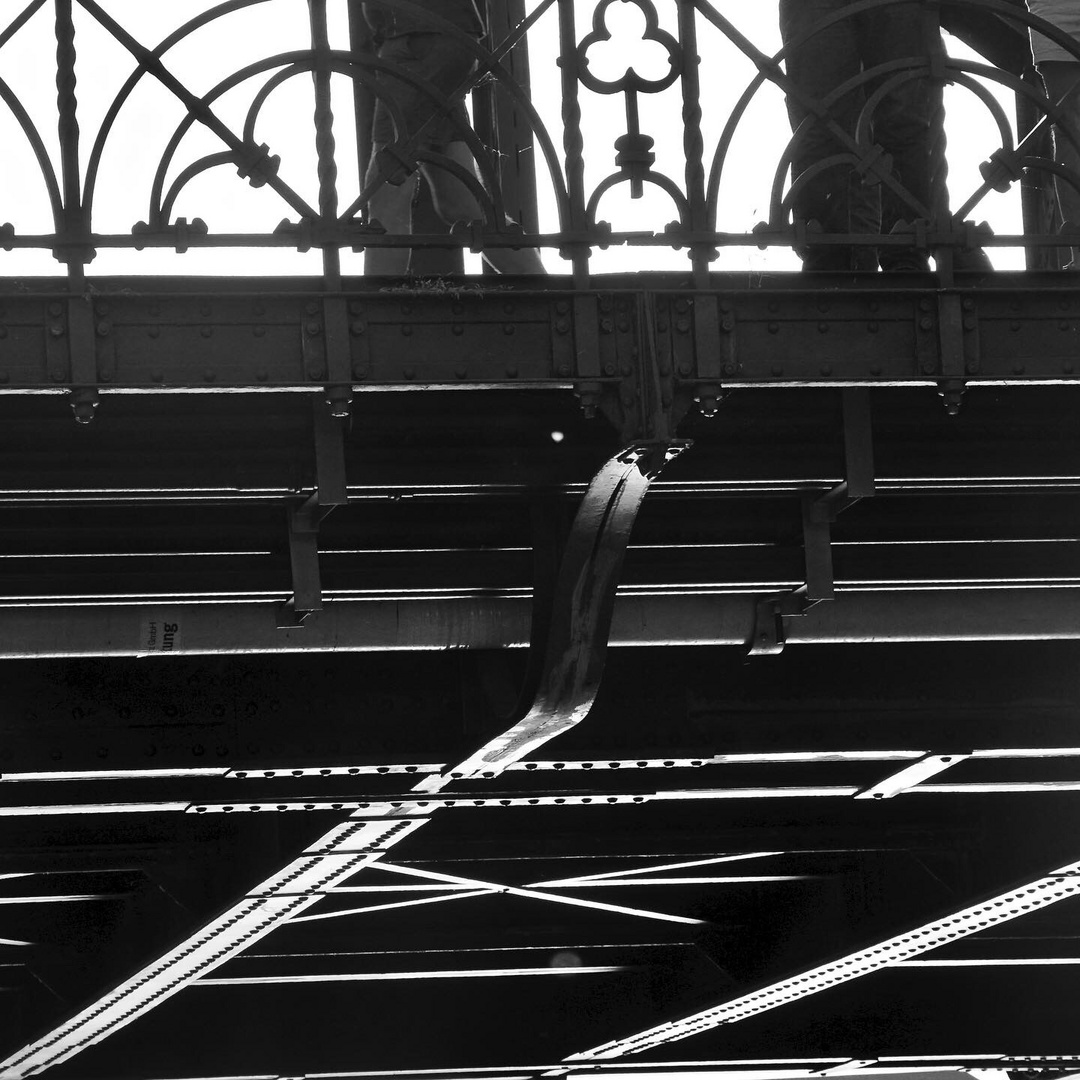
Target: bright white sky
(227, 203)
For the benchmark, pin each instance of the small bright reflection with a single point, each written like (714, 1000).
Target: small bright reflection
(565, 958)
(557, 436)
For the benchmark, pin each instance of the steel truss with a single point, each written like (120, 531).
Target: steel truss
(273, 420)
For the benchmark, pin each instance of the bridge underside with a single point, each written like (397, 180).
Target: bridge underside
(751, 843)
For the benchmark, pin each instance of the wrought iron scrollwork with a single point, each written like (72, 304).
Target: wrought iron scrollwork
(693, 180)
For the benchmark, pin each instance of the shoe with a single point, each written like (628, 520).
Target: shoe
(972, 261)
(903, 260)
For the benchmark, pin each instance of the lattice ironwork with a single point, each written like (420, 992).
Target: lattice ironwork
(693, 179)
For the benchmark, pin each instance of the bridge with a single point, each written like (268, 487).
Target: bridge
(664, 664)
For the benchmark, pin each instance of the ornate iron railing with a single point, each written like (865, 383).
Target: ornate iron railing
(692, 179)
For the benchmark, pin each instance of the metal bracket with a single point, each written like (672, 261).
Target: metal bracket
(951, 386)
(82, 358)
(304, 520)
(586, 365)
(337, 334)
(574, 648)
(714, 349)
(820, 513)
(326, 337)
(768, 637)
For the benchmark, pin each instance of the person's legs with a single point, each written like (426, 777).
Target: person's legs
(1062, 81)
(904, 120)
(405, 111)
(391, 207)
(454, 202)
(443, 62)
(817, 66)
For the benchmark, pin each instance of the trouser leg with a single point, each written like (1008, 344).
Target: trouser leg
(835, 198)
(1062, 81)
(907, 121)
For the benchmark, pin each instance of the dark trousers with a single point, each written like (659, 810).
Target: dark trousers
(1062, 81)
(905, 123)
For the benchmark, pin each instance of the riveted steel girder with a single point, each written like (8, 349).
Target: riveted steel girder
(253, 335)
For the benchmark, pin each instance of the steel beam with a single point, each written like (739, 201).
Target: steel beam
(336, 856)
(573, 664)
(1059, 884)
(155, 335)
(480, 623)
(420, 802)
(779, 757)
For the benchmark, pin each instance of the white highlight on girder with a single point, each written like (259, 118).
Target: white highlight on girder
(655, 868)
(60, 809)
(23, 874)
(533, 894)
(757, 793)
(379, 808)
(779, 1067)
(225, 936)
(107, 774)
(621, 882)
(577, 946)
(1059, 884)
(332, 770)
(58, 899)
(912, 776)
(764, 758)
(771, 1069)
(1029, 752)
(852, 1065)
(1030, 787)
(380, 976)
(947, 1057)
(598, 765)
(1022, 961)
(322, 915)
(129, 554)
(339, 890)
(13, 941)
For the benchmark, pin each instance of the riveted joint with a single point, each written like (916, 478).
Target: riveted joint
(588, 395)
(708, 398)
